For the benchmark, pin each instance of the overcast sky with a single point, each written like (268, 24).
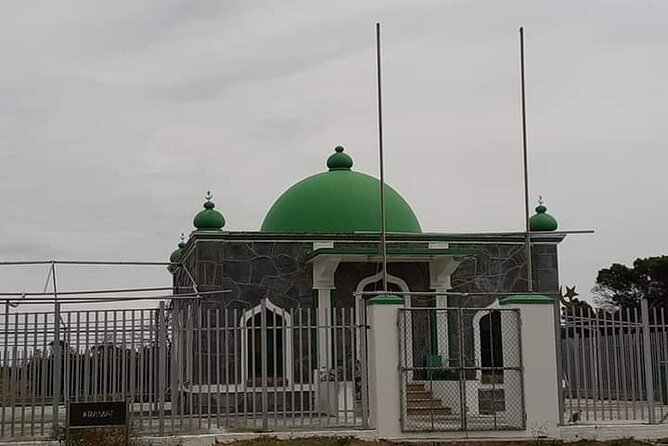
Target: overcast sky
(116, 117)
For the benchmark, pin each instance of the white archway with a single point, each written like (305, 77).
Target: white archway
(286, 338)
(360, 306)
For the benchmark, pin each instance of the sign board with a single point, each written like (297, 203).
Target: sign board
(108, 413)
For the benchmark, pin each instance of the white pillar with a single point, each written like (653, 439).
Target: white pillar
(539, 358)
(324, 320)
(440, 273)
(323, 283)
(384, 380)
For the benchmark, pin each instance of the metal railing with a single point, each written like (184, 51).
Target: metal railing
(190, 368)
(461, 369)
(615, 365)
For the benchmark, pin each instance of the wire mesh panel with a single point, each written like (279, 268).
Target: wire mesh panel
(461, 369)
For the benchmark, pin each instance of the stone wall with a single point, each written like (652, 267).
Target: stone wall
(501, 268)
(249, 271)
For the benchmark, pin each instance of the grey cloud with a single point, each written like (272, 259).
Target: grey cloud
(116, 117)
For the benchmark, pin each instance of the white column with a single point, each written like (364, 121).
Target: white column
(384, 380)
(440, 272)
(323, 283)
(324, 320)
(539, 360)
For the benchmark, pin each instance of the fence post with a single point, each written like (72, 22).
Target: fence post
(559, 352)
(162, 364)
(57, 366)
(265, 368)
(384, 365)
(647, 356)
(539, 362)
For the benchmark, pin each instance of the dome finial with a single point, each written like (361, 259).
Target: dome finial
(339, 160)
(209, 218)
(541, 220)
(175, 257)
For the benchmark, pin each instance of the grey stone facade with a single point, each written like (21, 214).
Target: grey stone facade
(501, 268)
(251, 270)
(239, 273)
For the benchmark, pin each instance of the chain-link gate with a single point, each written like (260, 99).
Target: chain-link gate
(461, 369)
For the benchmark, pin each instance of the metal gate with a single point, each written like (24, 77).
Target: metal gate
(461, 369)
(615, 364)
(188, 368)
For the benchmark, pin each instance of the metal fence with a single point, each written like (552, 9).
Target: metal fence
(186, 369)
(615, 365)
(461, 369)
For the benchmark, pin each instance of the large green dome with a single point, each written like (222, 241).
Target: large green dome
(339, 201)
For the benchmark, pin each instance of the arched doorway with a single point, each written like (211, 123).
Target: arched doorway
(373, 283)
(278, 332)
(491, 347)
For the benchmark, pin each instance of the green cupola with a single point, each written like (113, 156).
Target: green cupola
(339, 200)
(178, 252)
(541, 221)
(209, 219)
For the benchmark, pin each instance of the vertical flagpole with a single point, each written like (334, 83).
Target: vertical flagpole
(527, 246)
(383, 235)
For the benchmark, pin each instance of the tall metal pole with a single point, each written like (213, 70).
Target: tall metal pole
(526, 168)
(383, 235)
(57, 351)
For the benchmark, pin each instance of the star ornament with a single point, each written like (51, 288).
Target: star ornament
(570, 293)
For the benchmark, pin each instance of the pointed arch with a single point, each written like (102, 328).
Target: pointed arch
(283, 329)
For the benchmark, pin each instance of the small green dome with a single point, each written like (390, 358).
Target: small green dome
(339, 201)
(209, 218)
(177, 253)
(541, 221)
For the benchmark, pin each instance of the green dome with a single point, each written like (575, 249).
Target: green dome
(177, 253)
(541, 221)
(339, 201)
(209, 218)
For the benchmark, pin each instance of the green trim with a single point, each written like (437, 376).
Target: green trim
(526, 299)
(392, 252)
(386, 299)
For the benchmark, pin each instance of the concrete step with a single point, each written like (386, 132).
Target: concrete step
(426, 411)
(425, 397)
(420, 397)
(424, 404)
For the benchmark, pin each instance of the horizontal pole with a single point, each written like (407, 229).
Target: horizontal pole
(83, 262)
(108, 291)
(109, 299)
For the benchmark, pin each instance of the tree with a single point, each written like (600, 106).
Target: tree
(621, 286)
